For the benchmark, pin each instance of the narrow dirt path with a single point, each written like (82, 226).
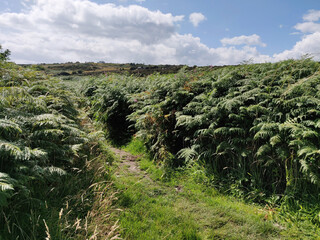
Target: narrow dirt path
(127, 160)
(129, 163)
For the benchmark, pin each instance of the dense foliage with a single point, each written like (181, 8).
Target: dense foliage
(256, 128)
(39, 141)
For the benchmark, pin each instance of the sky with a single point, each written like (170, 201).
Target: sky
(203, 32)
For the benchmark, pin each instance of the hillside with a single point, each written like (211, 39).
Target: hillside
(94, 69)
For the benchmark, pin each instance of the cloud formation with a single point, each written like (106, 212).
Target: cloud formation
(312, 15)
(90, 19)
(195, 18)
(308, 27)
(309, 44)
(243, 40)
(81, 30)
(310, 41)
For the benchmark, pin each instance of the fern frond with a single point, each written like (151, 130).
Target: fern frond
(49, 134)
(275, 140)
(9, 129)
(230, 104)
(262, 135)
(264, 150)
(76, 148)
(39, 154)
(310, 134)
(10, 150)
(189, 154)
(6, 183)
(306, 168)
(307, 150)
(48, 172)
(237, 131)
(47, 121)
(96, 136)
(222, 131)
(55, 171)
(223, 148)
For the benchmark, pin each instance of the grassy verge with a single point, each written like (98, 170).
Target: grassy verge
(87, 211)
(80, 206)
(180, 207)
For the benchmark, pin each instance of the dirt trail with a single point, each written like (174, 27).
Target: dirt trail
(127, 159)
(130, 162)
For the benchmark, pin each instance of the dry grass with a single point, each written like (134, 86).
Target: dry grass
(89, 214)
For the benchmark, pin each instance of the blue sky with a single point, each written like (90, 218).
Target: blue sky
(160, 31)
(229, 18)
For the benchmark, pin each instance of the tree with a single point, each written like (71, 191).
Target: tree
(4, 54)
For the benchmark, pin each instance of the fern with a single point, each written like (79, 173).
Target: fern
(6, 183)
(10, 150)
(39, 139)
(9, 130)
(188, 154)
(258, 119)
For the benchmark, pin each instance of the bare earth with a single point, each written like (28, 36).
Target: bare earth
(130, 163)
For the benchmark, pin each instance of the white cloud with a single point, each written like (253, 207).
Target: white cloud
(310, 41)
(81, 30)
(195, 18)
(312, 15)
(90, 19)
(243, 40)
(308, 27)
(191, 51)
(309, 44)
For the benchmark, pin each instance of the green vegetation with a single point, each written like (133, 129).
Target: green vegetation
(47, 164)
(4, 55)
(224, 153)
(182, 207)
(252, 128)
(69, 70)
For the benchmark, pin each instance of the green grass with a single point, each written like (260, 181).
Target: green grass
(182, 208)
(149, 213)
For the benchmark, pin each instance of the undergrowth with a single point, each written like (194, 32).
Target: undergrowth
(180, 205)
(254, 129)
(195, 184)
(54, 172)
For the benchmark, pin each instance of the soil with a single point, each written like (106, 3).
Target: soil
(130, 162)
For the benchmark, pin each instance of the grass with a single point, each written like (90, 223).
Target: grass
(85, 211)
(181, 207)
